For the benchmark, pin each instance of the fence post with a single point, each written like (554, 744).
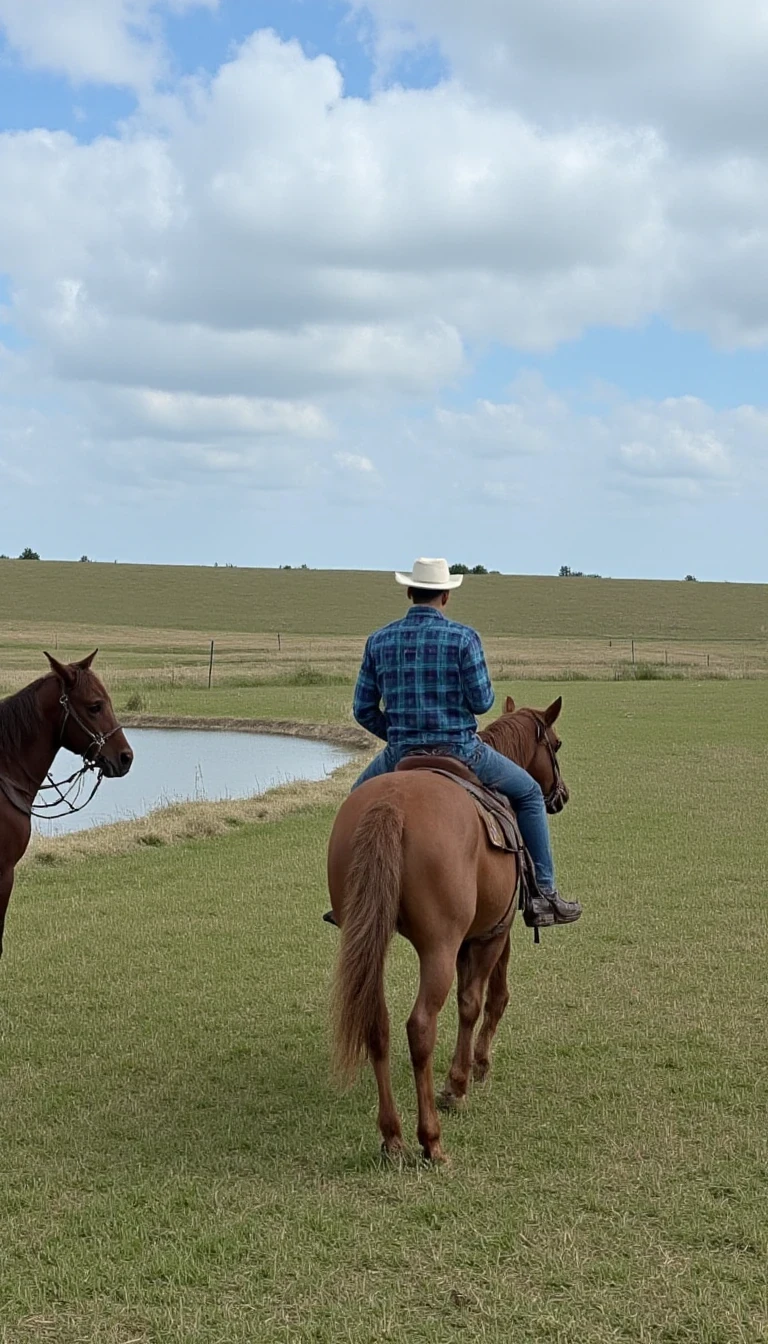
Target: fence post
(210, 667)
(666, 658)
(279, 645)
(633, 653)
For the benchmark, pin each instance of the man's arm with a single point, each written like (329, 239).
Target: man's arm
(475, 678)
(367, 703)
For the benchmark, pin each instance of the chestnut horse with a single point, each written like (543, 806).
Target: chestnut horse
(68, 708)
(408, 852)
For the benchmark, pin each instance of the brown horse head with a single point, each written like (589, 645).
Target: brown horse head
(89, 726)
(528, 736)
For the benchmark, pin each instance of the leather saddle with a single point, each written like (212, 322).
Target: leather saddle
(493, 808)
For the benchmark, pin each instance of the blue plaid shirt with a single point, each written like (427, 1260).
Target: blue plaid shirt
(423, 680)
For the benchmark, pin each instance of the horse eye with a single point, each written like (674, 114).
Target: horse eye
(558, 745)
(95, 709)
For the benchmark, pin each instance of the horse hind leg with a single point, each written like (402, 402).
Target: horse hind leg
(437, 970)
(476, 962)
(378, 1053)
(496, 1001)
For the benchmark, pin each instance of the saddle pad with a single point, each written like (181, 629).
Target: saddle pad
(447, 765)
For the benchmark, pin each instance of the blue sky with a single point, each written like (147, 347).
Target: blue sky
(340, 284)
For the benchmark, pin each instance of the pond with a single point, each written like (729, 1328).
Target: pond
(182, 765)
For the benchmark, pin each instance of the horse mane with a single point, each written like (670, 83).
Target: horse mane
(509, 735)
(20, 718)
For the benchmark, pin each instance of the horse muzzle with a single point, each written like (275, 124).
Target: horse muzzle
(115, 767)
(556, 800)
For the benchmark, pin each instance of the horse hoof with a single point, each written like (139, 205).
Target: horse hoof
(393, 1150)
(435, 1157)
(480, 1070)
(448, 1101)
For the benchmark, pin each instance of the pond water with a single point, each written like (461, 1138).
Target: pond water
(179, 765)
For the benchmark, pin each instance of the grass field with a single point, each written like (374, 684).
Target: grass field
(337, 603)
(176, 1166)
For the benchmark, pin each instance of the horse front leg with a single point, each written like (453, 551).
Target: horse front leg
(476, 962)
(496, 1001)
(437, 969)
(6, 887)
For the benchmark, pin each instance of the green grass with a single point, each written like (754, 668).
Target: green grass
(325, 704)
(175, 1165)
(351, 603)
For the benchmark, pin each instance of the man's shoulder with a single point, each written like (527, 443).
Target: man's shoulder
(447, 629)
(462, 632)
(385, 632)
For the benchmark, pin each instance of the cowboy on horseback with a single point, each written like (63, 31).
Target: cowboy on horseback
(430, 675)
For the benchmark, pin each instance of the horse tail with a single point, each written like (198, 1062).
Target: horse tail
(369, 920)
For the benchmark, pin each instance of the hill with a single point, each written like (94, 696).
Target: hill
(341, 602)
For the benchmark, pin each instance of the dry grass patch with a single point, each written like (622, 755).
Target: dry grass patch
(154, 667)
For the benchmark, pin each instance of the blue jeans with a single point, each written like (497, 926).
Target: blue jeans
(499, 773)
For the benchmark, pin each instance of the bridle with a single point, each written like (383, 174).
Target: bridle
(67, 791)
(554, 801)
(98, 740)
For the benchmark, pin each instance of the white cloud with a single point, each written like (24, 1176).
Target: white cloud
(354, 462)
(260, 283)
(92, 41)
(607, 477)
(259, 236)
(679, 443)
(167, 413)
(696, 71)
(494, 430)
(159, 414)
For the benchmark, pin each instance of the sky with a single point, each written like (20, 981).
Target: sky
(342, 284)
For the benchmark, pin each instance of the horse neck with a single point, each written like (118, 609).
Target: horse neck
(515, 738)
(38, 751)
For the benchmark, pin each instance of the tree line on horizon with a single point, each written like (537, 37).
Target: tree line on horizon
(565, 571)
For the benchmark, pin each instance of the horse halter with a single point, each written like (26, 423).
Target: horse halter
(555, 800)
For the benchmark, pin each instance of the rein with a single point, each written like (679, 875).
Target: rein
(67, 791)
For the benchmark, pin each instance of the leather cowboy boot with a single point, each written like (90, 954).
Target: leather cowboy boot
(547, 908)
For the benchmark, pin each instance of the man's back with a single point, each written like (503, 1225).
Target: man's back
(430, 674)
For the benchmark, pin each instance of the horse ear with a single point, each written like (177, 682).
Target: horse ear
(509, 705)
(85, 663)
(66, 675)
(553, 713)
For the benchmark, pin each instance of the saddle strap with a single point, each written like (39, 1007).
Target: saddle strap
(491, 806)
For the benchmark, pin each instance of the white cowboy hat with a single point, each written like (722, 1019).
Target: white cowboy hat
(433, 575)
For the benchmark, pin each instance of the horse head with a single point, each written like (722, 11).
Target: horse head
(89, 726)
(543, 745)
